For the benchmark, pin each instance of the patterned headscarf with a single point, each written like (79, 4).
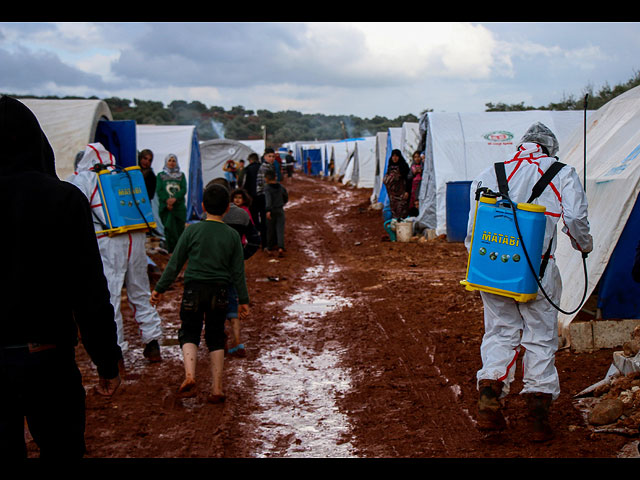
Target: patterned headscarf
(172, 172)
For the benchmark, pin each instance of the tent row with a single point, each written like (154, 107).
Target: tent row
(72, 124)
(361, 161)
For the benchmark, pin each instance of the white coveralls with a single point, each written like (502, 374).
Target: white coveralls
(533, 324)
(124, 256)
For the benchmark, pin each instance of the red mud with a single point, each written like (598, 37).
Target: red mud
(402, 346)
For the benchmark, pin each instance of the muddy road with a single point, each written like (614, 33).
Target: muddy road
(356, 347)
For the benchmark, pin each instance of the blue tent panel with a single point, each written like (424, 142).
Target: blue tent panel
(194, 201)
(382, 196)
(619, 294)
(315, 155)
(119, 137)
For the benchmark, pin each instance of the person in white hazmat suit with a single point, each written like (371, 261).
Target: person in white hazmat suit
(511, 325)
(123, 257)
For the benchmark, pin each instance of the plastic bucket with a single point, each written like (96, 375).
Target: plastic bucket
(457, 210)
(404, 231)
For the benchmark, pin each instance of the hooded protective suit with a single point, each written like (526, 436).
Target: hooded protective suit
(52, 287)
(509, 324)
(123, 256)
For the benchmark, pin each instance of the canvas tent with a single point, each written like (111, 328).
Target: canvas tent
(182, 141)
(461, 145)
(257, 146)
(360, 171)
(410, 138)
(379, 159)
(612, 186)
(69, 126)
(216, 152)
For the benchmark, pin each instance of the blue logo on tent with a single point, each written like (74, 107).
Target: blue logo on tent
(625, 163)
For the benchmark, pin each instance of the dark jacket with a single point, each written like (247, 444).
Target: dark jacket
(52, 286)
(150, 181)
(276, 196)
(251, 178)
(240, 221)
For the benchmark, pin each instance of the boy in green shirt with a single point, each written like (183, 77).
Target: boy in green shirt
(215, 261)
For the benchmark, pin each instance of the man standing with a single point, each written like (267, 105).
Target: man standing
(289, 161)
(269, 157)
(51, 293)
(510, 325)
(250, 185)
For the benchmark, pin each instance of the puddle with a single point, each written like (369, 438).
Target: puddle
(297, 387)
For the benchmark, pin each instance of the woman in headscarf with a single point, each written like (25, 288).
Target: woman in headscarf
(171, 189)
(398, 184)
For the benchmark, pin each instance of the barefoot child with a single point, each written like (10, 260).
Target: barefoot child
(215, 262)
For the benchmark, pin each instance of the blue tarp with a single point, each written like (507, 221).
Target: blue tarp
(382, 196)
(619, 294)
(119, 137)
(315, 155)
(194, 200)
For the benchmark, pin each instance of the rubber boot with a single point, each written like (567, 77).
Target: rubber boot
(538, 405)
(490, 416)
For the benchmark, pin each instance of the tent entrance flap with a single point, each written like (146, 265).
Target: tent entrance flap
(119, 137)
(619, 294)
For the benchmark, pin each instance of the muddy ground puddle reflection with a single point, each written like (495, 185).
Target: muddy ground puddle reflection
(297, 386)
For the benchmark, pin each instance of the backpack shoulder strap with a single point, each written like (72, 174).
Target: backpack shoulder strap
(503, 184)
(546, 178)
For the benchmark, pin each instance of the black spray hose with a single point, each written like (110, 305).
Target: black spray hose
(121, 169)
(536, 275)
(151, 229)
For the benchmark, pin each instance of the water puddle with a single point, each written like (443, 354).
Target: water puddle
(297, 387)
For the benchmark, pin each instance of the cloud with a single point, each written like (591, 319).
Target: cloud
(24, 69)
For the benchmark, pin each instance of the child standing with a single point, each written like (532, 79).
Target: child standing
(215, 262)
(276, 196)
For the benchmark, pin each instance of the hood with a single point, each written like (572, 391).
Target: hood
(25, 147)
(94, 153)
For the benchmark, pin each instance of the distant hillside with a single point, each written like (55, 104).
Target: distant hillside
(281, 127)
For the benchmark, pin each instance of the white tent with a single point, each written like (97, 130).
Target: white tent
(257, 146)
(181, 141)
(163, 140)
(216, 152)
(361, 169)
(612, 186)
(459, 146)
(380, 155)
(69, 126)
(410, 138)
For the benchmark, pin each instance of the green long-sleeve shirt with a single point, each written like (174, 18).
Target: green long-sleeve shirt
(214, 254)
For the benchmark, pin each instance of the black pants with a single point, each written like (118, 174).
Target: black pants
(275, 229)
(206, 304)
(260, 218)
(45, 388)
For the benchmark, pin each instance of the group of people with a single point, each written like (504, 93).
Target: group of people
(76, 292)
(402, 182)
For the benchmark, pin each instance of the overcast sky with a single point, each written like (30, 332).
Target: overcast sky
(363, 69)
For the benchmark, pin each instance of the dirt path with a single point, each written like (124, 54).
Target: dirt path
(357, 347)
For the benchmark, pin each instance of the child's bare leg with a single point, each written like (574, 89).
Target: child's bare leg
(190, 357)
(235, 325)
(217, 366)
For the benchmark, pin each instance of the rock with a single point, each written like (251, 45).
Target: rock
(632, 347)
(606, 412)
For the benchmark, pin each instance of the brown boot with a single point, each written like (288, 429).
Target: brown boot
(539, 427)
(490, 416)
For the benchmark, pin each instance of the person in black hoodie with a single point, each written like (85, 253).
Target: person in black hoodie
(276, 196)
(52, 292)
